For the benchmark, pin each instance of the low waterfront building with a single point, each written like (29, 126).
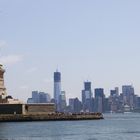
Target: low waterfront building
(6, 108)
(14, 101)
(39, 108)
(11, 109)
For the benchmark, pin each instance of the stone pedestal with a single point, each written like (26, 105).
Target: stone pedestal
(2, 87)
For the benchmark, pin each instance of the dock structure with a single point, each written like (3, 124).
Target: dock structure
(40, 112)
(50, 117)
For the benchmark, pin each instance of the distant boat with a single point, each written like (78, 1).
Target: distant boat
(127, 109)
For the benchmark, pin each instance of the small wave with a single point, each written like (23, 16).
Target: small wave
(92, 139)
(132, 132)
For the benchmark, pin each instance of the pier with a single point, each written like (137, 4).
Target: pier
(50, 117)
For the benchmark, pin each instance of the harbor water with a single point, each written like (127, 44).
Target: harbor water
(113, 127)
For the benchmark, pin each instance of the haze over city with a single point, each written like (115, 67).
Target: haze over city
(85, 40)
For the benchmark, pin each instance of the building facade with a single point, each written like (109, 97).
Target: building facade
(57, 89)
(99, 100)
(63, 103)
(39, 97)
(87, 97)
(128, 95)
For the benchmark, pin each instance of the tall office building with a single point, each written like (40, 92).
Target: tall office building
(87, 97)
(128, 95)
(114, 101)
(63, 103)
(99, 100)
(35, 97)
(117, 90)
(57, 89)
(39, 97)
(44, 97)
(71, 104)
(75, 106)
(114, 92)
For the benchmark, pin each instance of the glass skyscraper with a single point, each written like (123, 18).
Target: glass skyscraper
(57, 88)
(87, 97)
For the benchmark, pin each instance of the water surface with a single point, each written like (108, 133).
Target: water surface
(113, 127)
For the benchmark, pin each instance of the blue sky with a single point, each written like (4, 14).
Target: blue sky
(96, 40)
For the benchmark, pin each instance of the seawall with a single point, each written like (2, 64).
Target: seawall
(50, 117)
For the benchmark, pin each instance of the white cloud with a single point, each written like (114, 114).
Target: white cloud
(10, 59)
(2, 43)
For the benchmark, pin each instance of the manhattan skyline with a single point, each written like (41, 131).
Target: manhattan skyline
(95, 40)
